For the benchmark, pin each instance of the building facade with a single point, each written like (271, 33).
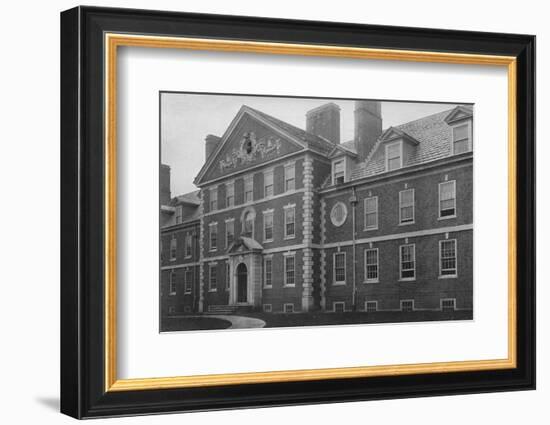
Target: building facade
(292, 220)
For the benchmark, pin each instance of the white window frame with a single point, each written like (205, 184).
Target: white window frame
(230, 221)
(179, 214)
(447, 299)
(212, 225)
(401, 302)
(387, 148)
(287, 168)
(229, 193)
(188, 288)
(344, 165)
(285, 305)
(285, 209)
(335, 303)
(367, 308)
(213, 190)
(269, 173)
(270, 259)
(264, 214)
(243, 223)
(375, 227)
(285, 277)
(248, 184)
(401, 206)
(367, 279)
(460, 124)
(189, 243)
(173, 248)
(334, 281)
(267, 308)
(401, 278)
(172, 283)
(448, 276)
(212, 267)
(439, 200)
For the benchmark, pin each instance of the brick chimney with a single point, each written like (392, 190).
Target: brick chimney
(210, 145)
(324, 121)
(165, 194)
(368, 126)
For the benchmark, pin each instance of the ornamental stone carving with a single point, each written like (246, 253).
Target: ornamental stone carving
(251, 149)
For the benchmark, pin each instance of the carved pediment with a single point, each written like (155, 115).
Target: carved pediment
(250, 149)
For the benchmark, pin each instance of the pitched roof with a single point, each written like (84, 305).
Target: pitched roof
(191, 213)
(191, 198)
(434, 138)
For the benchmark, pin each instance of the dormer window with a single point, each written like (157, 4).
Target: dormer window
(394, 156)
(462, 140)
(339, 171)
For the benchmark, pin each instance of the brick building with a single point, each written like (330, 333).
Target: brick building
(293, 220)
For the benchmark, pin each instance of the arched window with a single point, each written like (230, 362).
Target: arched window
(248, 224)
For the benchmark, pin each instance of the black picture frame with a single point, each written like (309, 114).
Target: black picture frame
(83, 392)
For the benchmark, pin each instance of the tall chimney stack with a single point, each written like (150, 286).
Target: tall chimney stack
(324, 121)
(210, 145)
(368, 126)
(165, 194)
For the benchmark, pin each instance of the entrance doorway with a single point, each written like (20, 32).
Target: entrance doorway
(242, 283)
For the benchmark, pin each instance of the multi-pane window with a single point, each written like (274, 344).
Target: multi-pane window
(371, 306)
(407, 261)
(338, 172)
(188, 245)
(290, 221)
(268, 225)
(179, 214)
(371, 213)
(214, 199)
(229, 195)
(407, 305)
(268, 271)
(173, 247)
(447, 199)
(172, 283)
(339, 267)
(268, 308)
(448, 304)
(289, 308)
(394, 159)
(289, 270)
(371, 265)
(188, 281)
(248, 188)
(461, 138)
(406, 206)
(339, 306)
(268, 183)
(290, 177)
(248, 225)
(447, 257)
(213, 236)
(213, 277)
(229, 232)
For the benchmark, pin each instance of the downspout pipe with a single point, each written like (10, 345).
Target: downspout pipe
(353, 202)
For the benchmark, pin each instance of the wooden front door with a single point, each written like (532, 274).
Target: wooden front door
(242, 283)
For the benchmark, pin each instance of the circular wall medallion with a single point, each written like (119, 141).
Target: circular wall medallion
(338, 214)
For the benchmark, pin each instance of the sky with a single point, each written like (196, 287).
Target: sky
(186, 119)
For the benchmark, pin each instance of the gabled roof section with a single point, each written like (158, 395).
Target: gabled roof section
(459, 113)
(347, 148)
(244, 244)
(191, 198)
(394, 133)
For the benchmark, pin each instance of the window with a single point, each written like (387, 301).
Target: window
(267, 308)
(447, 199)
(213, 277)
(448, 304)
(173, 247)
(188, 281)
(289, 308)
(371, 306)
(248, 188)
(371, 265)
(268, 184)
(229, 232)
(447, 257)
(188, 245)
(227, 275)
(229, 195)
(171, 309)
(290, 218)
(172, 282)
(179, 214)
(394, 157)
(268, 270)
(268, 225)
(371, 213)
(290, 177)
(289, 270)
(339, 267)
(214, 199)
(461, 138)
(338, 214)
(406, 206)
(339, 306)
(407, 305)
(407, 262)
(248, 225)
(338, 172)
(213, 236)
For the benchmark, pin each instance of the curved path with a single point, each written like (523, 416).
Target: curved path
(240, 322)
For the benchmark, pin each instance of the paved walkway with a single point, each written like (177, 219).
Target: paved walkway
(240, 322)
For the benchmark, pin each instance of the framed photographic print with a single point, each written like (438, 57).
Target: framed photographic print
(261, 212)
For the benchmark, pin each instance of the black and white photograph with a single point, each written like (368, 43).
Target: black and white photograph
(285, 211)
